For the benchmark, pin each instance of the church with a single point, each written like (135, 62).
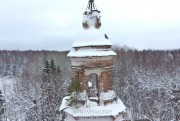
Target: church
(92, 63)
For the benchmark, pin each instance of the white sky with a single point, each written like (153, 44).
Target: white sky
(54, 24)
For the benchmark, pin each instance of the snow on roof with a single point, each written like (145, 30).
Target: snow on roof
(91, 37)
(93, 110)
(64, 103)
(107, 95)
(90, 52)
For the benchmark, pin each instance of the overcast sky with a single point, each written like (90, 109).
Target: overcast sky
(54, 24)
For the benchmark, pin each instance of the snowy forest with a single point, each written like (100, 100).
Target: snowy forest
(33, 83)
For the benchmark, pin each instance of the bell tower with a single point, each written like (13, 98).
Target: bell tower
(91, 58)
(92, 63)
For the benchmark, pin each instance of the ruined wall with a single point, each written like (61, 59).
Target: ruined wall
(91, 62)
(102, 66)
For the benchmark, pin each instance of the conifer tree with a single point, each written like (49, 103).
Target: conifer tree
(74, 90)
(52, 64)
(51, 89)
(47, 67)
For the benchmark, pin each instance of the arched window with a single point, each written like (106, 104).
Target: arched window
(93, 85)
(93, 81)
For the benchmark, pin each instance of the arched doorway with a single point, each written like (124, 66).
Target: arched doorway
(93, 85)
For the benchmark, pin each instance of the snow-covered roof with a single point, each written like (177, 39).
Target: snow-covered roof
(83, 52)
(91, 37)
(64, 104)
(94, 110)
(107, 95)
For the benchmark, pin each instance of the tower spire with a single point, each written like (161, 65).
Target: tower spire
(91, 16)
(91, 5)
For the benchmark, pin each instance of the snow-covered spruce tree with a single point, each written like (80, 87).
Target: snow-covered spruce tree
(51, 90)
(24, 100)
(74, 90)
(47, 67)
(2, 106)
